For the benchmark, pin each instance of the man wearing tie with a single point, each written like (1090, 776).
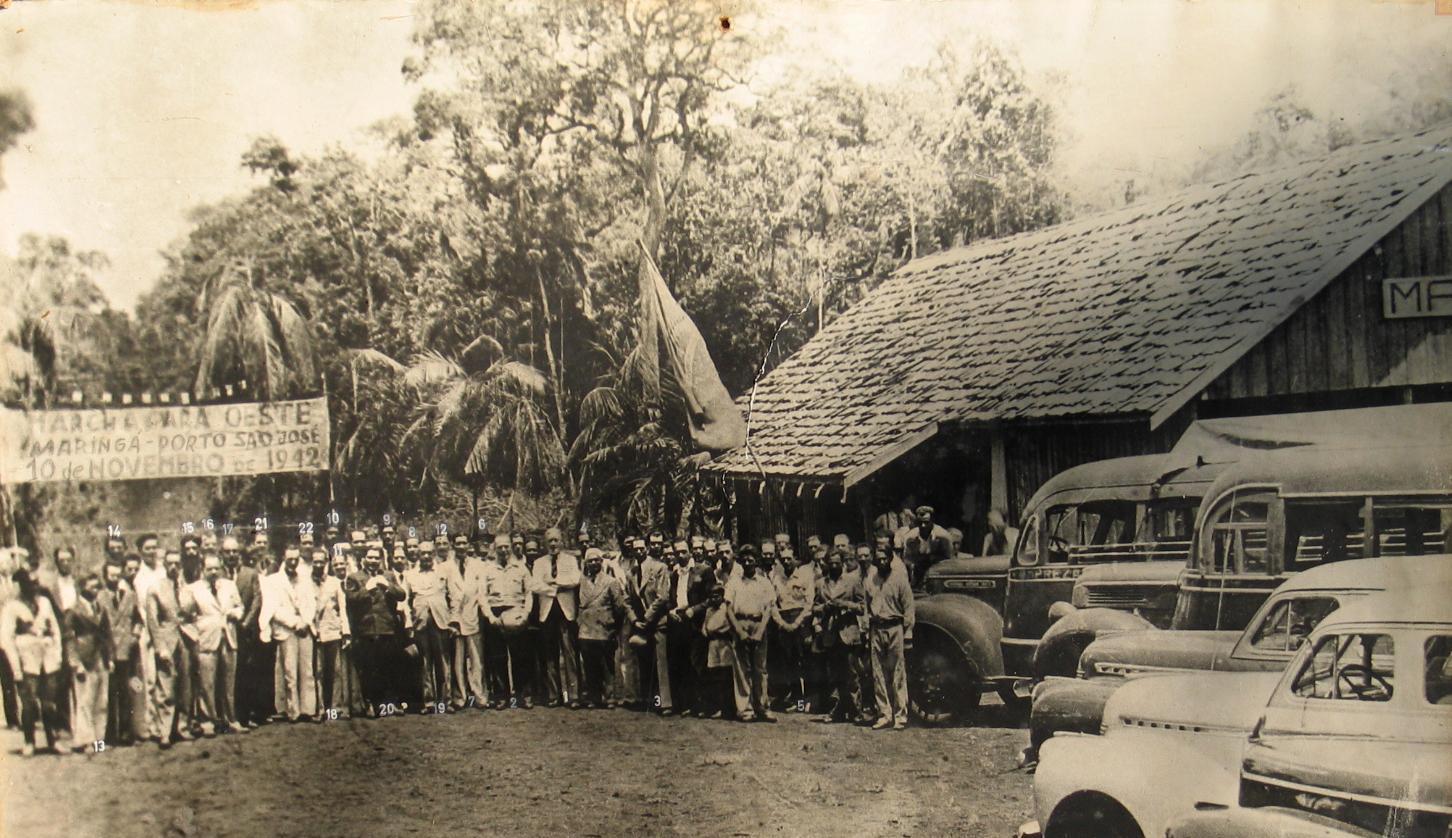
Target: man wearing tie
(169, 676)
(289, 605)
(556, 584)
(215, 608)
(469, 600)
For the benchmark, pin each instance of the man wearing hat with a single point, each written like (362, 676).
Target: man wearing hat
(429, 604)
(556, 586)
(925, 545)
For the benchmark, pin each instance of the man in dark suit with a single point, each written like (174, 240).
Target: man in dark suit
(693, 583)
(378, 632)
(253, 699)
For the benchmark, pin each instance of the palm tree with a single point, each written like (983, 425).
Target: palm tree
(480, 420)
(634, 458)
(256, 336)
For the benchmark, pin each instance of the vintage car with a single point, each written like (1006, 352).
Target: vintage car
(1107, 547)
(1356, 730)
(979, 620)
(1357, 735)
(1265, 520)
(1273, 636)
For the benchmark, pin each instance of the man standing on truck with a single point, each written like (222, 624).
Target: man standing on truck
(926, 544)
(1001, 537)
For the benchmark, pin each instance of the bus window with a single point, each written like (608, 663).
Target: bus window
(1240, 534)
(1318, 532)
(1105, 532)
(1170, 525)
(1412, 528)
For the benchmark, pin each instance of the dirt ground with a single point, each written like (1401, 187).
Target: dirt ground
(538, 772)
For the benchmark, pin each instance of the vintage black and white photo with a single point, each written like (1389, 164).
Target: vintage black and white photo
(726, 418)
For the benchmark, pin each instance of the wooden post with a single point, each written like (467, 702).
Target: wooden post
(998, 473)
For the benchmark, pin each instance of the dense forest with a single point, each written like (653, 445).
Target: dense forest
(466, 295)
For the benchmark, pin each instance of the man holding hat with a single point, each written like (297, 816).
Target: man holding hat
(509, 662)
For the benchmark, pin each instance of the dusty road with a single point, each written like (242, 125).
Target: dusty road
(539, 772)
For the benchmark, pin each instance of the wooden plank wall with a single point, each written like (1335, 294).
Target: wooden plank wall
(1339, 340)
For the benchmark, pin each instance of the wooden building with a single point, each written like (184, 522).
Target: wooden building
(971, 376)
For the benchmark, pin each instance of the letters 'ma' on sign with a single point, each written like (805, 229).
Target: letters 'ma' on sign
(1416, 296)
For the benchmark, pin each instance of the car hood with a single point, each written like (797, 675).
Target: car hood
(1147, 572)
(1195, 703)
(1150, 650)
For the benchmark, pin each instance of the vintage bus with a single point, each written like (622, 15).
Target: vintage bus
(1271, 516)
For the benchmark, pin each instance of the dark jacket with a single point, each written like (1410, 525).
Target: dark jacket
(88, 634)
(377, 608)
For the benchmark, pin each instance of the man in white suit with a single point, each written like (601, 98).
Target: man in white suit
(468, 600)
(215, 608)
(556, 586)
(289, 606)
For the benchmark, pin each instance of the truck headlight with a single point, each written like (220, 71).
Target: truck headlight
(1080, 597)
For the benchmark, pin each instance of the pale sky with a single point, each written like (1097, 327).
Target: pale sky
(144, 109)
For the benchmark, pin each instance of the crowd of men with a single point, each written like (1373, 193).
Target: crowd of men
(213, 637)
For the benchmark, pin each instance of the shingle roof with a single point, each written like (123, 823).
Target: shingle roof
(1127, 311)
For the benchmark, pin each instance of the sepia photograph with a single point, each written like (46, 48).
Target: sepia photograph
(1007, 418)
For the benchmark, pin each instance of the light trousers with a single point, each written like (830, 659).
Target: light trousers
(295, 653)
(217, 682)
(749, 681)
(889, 674)
(89, 693)
(469, 668)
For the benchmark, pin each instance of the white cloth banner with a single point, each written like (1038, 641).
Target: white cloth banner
(142, 443)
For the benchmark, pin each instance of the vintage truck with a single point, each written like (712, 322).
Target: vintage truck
(979, 619)
(1265, 520)
(1351, 739)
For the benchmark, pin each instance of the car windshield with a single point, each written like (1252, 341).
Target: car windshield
(1289, 622)
(1348, 667)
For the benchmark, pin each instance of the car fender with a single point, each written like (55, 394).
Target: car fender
(971, 624)
(1268, 822)
(1059, 650)
(1150, 774)
(1069, 705)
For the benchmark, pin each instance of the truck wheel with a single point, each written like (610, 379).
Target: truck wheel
(1092, 815)
(943, 686)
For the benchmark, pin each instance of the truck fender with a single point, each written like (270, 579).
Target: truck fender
(1059, 650)
(1150, 779)
(969, 623)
